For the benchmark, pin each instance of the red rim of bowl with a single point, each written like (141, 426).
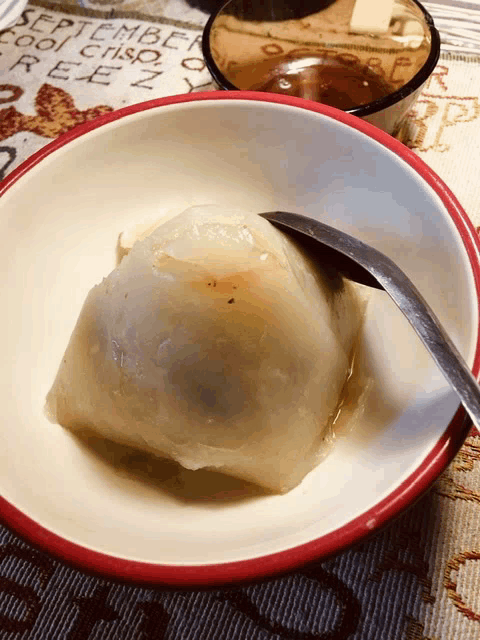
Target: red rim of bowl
(343, 537)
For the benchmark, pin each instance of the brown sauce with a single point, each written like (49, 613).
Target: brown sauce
(322, 79)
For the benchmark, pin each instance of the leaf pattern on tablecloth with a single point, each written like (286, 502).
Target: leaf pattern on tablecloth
(56, 114)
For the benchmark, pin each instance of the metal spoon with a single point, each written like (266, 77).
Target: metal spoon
(364, 264)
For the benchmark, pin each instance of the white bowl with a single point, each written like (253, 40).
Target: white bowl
(60, 214)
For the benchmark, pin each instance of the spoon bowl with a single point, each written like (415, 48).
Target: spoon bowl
(362, 263)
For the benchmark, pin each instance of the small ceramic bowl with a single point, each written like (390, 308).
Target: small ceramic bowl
(263, 152)
(309, 50)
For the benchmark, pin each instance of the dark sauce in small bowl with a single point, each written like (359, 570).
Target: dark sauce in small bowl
(331, 81)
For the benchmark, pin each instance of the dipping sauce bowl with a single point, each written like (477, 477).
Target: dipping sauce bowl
(312, 52)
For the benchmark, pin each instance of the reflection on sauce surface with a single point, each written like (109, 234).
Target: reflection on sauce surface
(313, 77)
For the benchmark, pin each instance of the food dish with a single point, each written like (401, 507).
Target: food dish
(265, 153)
(190, 350)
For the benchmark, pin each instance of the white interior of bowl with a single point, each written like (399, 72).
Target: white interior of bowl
(59, 225)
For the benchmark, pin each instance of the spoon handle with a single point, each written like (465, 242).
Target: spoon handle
(435, 338)
(406, 296)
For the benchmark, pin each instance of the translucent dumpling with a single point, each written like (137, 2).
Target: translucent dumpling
(216, 343)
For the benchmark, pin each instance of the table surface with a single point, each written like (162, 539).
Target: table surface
(63, 63)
